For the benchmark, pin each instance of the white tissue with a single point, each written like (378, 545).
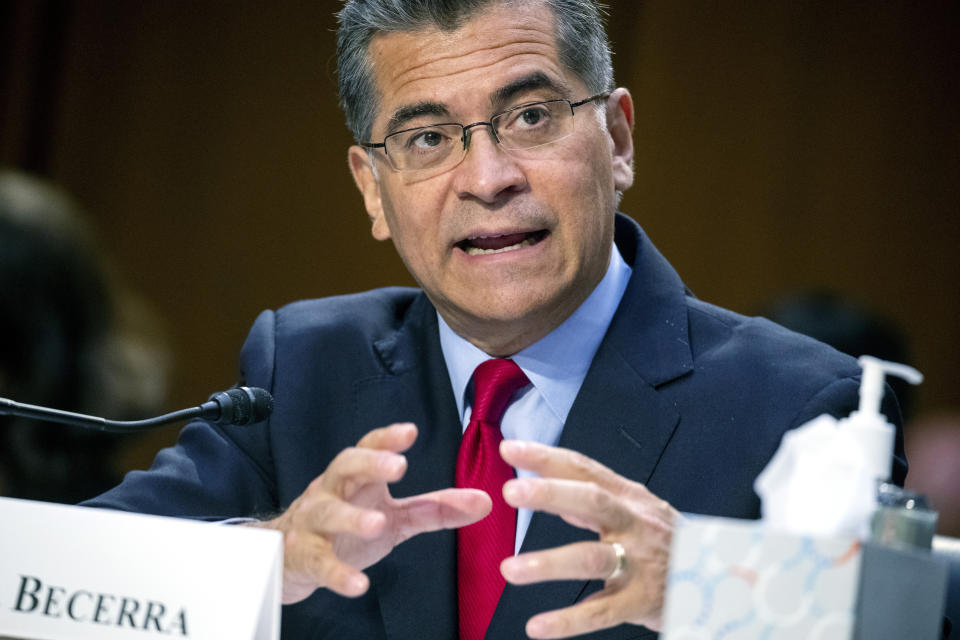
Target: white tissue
(819, 482)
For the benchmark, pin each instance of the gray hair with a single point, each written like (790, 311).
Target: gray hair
(581, 43)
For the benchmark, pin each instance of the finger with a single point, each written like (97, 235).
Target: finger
(577, 561)
(556, 462)
(395, 437)
(309, 563)
(606, 609)
(358, 466)
(444, 509)
(582, 503)
(333, 516)
(347, 581)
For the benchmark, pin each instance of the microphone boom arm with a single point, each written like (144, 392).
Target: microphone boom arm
(238, 406)
(9, 407)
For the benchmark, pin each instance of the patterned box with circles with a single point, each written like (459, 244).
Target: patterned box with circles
(731, 579)
(735, 580)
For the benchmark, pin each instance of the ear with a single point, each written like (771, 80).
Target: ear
(365, 177)
(620, 126)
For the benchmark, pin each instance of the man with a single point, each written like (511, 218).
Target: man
(493, 150)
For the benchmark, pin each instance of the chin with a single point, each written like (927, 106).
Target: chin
(517, 316)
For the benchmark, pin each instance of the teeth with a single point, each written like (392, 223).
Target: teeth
(477, 251)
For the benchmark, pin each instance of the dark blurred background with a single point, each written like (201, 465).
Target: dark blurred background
(781, 147)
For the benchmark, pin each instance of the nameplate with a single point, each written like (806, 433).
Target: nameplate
(81, 573)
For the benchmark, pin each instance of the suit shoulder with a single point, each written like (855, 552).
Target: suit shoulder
(370, 314)
(754, 344)
(338, 333)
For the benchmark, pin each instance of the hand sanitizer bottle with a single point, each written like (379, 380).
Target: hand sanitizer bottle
(868, 424)
(824, 478)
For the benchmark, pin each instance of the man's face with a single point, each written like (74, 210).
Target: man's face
(549, 210)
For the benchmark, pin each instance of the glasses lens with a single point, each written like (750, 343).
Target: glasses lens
(532, 125)
(424, 147)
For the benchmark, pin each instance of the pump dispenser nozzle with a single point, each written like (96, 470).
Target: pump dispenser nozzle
(871, 427)
(871, 386)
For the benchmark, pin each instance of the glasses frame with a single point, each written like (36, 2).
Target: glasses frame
(466, 132)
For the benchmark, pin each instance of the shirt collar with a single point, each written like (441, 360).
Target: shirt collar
(557, 363)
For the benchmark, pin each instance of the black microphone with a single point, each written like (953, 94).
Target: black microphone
(237, 406)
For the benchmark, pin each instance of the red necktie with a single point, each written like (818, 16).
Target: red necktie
(483, 545)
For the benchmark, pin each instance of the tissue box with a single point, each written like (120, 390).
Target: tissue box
(735, 580)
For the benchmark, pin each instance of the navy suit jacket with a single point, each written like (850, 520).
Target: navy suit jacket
(688, 398)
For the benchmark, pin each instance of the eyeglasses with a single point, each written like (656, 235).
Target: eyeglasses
(444, 145)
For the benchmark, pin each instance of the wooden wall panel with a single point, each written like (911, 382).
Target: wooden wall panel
(792, 146)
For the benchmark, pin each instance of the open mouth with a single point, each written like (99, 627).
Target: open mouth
(484, 245)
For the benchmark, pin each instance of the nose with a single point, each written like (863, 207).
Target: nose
(487, 173)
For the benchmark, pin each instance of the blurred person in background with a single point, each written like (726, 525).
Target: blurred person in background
(71, 337)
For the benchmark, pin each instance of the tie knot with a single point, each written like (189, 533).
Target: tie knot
(494, 383)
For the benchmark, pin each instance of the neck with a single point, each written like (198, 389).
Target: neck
(500, 338)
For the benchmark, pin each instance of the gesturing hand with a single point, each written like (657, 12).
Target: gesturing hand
(346, 520)
(589, 495)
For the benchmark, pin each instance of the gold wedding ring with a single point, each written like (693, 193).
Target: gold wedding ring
(621, 561)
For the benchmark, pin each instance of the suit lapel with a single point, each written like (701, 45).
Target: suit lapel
(621, 421)
(619, 417)
(416, 582)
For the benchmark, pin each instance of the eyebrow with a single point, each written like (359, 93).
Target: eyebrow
(407, 113)
(531, 82)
